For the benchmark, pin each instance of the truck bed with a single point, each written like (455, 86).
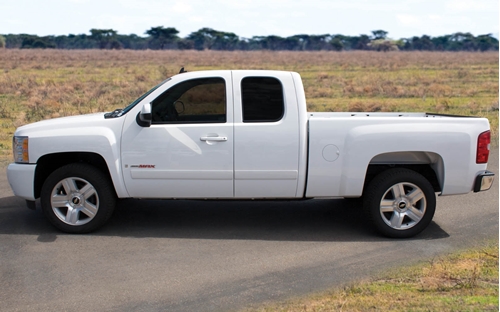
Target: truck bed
(341, 149)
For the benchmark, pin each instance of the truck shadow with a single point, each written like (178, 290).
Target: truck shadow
(307, 220)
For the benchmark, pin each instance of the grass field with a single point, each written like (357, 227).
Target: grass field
(464, 281)
(41, 84)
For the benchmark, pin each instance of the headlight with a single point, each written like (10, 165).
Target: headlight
(20, 148)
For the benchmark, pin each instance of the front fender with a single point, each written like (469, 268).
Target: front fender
(97, 140)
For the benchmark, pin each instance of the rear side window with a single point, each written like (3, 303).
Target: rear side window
(262, 99)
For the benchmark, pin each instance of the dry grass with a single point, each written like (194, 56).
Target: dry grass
(40, 84)
(467, 281)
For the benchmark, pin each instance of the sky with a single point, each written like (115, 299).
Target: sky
(248, 18)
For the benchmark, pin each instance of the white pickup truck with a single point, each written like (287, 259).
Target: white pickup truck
(246, 134)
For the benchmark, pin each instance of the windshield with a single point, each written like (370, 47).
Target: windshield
(134, 103)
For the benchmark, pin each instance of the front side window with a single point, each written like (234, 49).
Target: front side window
(262, 99)
(193, 101)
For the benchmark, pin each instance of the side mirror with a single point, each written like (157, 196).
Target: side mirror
(145, 117)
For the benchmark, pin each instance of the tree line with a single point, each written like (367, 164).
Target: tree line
(161, 38)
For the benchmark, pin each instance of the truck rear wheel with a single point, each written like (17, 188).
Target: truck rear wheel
(77, 198)
(400, 203)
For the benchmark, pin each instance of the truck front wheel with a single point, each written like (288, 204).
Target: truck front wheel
(77, 198)
(400, 203)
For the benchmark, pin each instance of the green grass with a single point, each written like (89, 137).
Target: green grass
(464, 281)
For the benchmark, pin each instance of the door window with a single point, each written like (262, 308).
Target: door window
(192, 101)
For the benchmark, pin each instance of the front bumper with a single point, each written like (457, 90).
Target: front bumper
(21, 179)
(484, 181)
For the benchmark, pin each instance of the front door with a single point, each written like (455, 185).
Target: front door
(188, 150)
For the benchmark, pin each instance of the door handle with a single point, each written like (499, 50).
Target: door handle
(217, 138)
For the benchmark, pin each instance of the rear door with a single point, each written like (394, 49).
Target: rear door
(266, 130)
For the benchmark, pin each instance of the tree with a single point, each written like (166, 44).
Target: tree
(133, 42)
(300, 42)
(487, 42)
(337, 43)
(185, 44)
(115, 45)
(202, 38)
(422, 43)
(291, 43)
(162, 36)
(211, 39)
(360, 43)
(462, 42)
(441, 43)
(318, 42)
(379, 34)
(208, 38)
(253, 43)
(341, 42)
(35, 42)
(224, 40)
(103, 36)
(312, 42)
(271, 42)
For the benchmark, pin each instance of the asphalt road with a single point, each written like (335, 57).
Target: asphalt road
(214, 256)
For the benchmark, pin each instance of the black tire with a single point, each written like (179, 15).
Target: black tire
(399, 203)
(78, 198)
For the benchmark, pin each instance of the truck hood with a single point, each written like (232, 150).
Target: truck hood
(80, 121)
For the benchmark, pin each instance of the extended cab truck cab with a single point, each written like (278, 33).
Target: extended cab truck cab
(247, 135)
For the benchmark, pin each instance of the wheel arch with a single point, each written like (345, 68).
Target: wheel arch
(50, 162)
(428, 164)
